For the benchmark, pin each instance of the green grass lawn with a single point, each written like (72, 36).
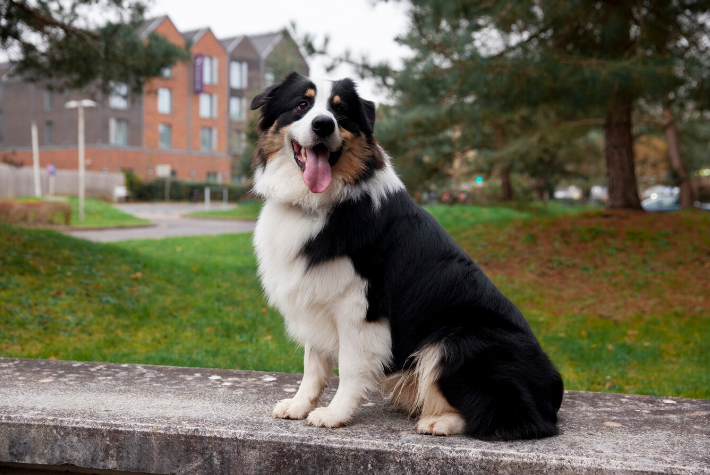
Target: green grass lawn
(244, 210)
(620, 301)
(97, 214)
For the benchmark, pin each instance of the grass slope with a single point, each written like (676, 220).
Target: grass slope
(620, 301)
(244, 210)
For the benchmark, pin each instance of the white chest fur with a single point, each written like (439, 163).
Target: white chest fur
(311, 300)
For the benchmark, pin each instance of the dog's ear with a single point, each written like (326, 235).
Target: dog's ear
(368, 111)
(261, 99)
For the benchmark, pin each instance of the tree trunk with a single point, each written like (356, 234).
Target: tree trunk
(619, 154)
(687, 195)
(506, 188)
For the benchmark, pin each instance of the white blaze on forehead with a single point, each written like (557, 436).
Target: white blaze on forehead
(301, 130)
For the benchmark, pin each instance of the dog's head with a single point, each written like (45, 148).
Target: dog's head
(315, 136)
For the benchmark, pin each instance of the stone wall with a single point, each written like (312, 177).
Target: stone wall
(152, 419)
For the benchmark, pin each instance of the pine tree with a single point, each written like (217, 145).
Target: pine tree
(481, 72)
(57, 42)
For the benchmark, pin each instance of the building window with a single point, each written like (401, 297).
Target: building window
(118, 99)
(208, 139)
(165, 100)
(269, 79)
(242, 144)
(238, 108)
(214, 176)
(48, 133)
(238, 74)
(118, 131)
(165, 131)
(210, 70)
(208, 106)
(48, 99)
(166, 72)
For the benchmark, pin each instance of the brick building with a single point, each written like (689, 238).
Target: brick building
(193, 118)
(255, 62)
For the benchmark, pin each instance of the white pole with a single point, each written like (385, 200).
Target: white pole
(81, 163)
(35, 160)
(224, 198)
(207, 198)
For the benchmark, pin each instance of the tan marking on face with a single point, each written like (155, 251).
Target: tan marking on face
(270, 143)
(311, 93)
(353, 159)
(336, 100)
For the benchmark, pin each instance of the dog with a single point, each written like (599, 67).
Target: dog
(367, 279)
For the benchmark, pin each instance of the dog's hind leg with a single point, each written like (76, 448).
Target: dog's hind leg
(317, 369)
(365, 349)
(437, 416)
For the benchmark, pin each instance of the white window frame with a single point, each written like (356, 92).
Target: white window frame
(165, 94)
(238, 74)
(118, 98)
(208, 105)
(213, 139)
(161, 128)
(238, 108)
(269, 78)
(210, 70)
(113, 130)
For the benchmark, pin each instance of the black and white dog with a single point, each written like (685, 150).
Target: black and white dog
(364, 277)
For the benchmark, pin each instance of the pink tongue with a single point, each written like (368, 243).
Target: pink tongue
(317, 174)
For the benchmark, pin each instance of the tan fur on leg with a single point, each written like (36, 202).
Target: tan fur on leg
(417, 392)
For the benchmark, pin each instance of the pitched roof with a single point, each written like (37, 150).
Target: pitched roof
(265, 42)
(194, 35)
(149, 25)
(230, 43)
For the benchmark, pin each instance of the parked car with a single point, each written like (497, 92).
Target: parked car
(660, 191)
(668, 203)
(661, 204)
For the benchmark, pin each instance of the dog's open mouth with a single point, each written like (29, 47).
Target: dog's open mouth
(314, 164)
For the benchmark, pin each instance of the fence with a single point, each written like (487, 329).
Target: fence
(19, 181)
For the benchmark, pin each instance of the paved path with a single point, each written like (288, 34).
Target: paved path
(169, 221)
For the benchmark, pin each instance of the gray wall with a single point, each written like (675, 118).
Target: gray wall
(22, 102)
(16, 182)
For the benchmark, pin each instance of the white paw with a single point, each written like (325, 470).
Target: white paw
(443, 424)
(328, 417)
(292, 409)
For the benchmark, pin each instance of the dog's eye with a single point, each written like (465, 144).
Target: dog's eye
(302, 105)
(340, 109)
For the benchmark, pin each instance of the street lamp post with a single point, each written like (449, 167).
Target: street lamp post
(82, 184)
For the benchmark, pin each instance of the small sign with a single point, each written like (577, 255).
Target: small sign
(51, 169)
(162, 171)
(199, 80)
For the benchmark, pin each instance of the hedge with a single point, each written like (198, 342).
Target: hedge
(181, 190)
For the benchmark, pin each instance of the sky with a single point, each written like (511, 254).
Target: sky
(361, 26)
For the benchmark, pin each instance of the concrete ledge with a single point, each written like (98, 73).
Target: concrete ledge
(156, 419)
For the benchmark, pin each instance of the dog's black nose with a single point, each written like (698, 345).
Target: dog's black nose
(323, 125)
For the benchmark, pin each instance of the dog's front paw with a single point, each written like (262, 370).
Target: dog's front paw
(292, 409)
(328, 417)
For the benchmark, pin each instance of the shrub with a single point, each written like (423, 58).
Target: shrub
(154, 190)
(34, 212)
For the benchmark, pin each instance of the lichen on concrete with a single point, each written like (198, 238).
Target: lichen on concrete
(157, 419)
